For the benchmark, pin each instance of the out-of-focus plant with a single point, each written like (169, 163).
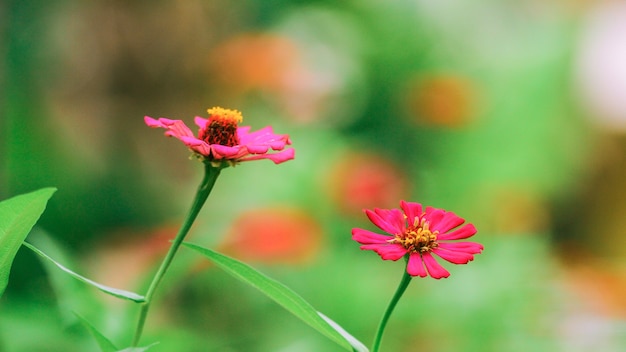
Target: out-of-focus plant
(416, 233)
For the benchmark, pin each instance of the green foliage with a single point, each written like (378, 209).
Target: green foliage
(131, 296)
(103, 342)
(18, 216)
(283, 296)
(137, 349)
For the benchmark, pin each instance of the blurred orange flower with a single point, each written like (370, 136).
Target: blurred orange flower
(442, 100)
(274, 235)
(253, 61)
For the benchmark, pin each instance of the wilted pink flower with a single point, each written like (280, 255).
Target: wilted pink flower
(220, 139)
(419, 233)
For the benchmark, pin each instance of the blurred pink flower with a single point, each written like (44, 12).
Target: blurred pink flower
(364, 179)
(220, 139)
(419, 234)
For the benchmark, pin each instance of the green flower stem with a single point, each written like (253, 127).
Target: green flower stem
(404, 283)
(210, 176)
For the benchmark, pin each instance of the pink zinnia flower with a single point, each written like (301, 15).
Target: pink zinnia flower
(220, 139)
(419, 234)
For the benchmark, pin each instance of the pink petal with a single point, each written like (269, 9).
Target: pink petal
(224, 151)
(192, 141)
(243, 131)
(264, 136)
(411, 210)
(368, 237)
(449, 221)
(257, 149)
(277, 158)
(467, 247)
(175, 128)
(200, 121)
(387, 251)
(394, 217)
(433, 215)
(453, 257)
(385, 219)
(199, 146)
(415, 266)
(468, 230)
(265, 133)
(152, 122)
(435, 269)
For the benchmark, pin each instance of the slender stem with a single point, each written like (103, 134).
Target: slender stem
(210, 176)
(404, 283)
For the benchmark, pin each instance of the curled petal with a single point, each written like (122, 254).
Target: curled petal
(411, 210)
(454, 257)
(257, 149)
(433, 215)
(277, 158)
(264, 136)
(192, 141)
(175, 128)
(468, 230)
(384, 219)
(200, 121)
(368, 237)
(449, 221)
(394, 217)
(467, 247)
(196, 145)
(224, 151)
(435, 269)
(415, 266)
(203, 149)
(386, 251)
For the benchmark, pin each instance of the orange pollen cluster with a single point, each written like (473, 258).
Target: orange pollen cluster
(221, 127)
(417, 237)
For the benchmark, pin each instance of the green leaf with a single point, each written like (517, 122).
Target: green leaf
(356, 344)
(131, 296)
(138, 349)
(18, 215)
(105, 344)
(71, 295)
(278, 292)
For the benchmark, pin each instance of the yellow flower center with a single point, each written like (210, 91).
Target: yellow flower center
(225, 115)
(417, 237)
(221, 127)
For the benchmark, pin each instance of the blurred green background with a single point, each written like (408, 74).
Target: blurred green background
(512, 114)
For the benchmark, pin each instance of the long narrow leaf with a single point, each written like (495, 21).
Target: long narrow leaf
(103, 342)
(139, 349)
(278, 292)
(106, 289)
(18, 215)
(71, 295)
(356, 344)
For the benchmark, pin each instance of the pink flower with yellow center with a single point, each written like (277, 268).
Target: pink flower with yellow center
(419, 233)
(221, 139)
